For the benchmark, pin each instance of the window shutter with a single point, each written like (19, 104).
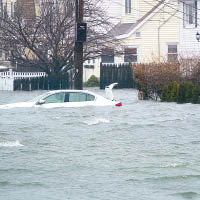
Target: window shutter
(195, 3)
(183, 14)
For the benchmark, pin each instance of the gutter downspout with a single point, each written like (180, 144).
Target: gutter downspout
(160, 26)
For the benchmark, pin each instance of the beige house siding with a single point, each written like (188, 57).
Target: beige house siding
(87, 73)
(138, 9)
(9, 4)
(9, 8)
(130, 17)
(145, 6)
(156, 33)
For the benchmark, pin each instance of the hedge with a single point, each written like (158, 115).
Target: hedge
(184, 92)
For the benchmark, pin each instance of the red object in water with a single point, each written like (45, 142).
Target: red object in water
(118, 104)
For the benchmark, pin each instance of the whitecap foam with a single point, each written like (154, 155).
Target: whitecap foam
(170, 165)
(96, 121)
(11, 144)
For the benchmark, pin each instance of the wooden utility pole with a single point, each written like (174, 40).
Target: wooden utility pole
(78, 51)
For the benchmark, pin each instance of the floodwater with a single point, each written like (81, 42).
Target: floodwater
(143, 150)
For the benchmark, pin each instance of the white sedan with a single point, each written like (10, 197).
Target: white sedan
(69, 98)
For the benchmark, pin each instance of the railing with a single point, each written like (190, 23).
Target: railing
(19, 75)
(7, 78)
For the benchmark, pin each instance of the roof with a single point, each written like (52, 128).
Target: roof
(123, 30)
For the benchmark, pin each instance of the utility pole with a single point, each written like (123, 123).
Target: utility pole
(78, 51)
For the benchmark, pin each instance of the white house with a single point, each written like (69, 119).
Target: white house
(189, 26)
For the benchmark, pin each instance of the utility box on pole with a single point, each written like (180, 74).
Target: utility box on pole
(81, 32)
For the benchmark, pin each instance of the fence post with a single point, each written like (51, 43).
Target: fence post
(101, 76)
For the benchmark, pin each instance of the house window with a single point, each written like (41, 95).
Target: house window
(13, 9)
(4, 10)
(127, 6)
(130, 55)
(6, 55)
(1, 53)
(107, 55)
(172, 53)
(42, 8)
(138, 34)
(190, 13)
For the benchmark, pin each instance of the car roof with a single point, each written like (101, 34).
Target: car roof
(58, 91)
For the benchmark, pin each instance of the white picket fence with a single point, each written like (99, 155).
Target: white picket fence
(7, 78)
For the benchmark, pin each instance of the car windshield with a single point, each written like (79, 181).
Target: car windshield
(39, 97)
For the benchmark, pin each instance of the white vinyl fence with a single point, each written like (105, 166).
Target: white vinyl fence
(7, 78)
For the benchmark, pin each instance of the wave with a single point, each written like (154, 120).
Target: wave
(96, 121)
(33, 184)
(173, 178)
(3, 183)
(163, 179)
(11, 144)
(173, 165)
(186, 195)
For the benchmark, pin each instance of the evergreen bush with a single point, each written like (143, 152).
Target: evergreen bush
(170, 92)
(188, 93)
(184, 92)
(196, 94)
(174, 91)
(92, 82)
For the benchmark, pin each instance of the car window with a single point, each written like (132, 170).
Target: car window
(55, 98)
(79, 97)
(90, 97)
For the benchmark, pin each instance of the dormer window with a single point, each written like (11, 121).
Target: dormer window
(127, 6)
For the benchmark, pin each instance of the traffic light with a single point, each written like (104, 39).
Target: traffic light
(81, 32)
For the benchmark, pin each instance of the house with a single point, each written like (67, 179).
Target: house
(148, 31)
(7, 8)
(189, 26)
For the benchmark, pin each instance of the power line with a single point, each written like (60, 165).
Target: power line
(134, 9)
(177, 9)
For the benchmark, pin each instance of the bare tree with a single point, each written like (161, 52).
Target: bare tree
(45, 41)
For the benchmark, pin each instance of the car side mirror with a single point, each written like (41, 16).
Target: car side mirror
(40, 102)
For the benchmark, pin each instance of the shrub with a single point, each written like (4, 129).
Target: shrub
(181, 98)
(196, 94)
(174, 91)
(92, 82)
(152, 78)
(185, 92)
(170, 92)
(188, 94)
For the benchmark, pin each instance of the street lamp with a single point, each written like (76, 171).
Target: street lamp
(198, 36)
(16, 65)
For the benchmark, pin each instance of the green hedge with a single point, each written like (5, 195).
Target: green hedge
(184, 92)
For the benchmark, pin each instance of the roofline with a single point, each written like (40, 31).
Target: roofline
(143, 21)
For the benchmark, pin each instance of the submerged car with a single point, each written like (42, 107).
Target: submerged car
(69, 98)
